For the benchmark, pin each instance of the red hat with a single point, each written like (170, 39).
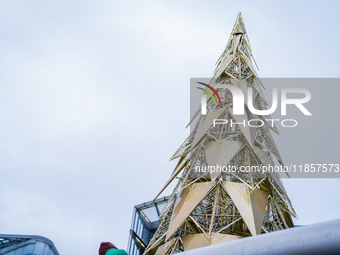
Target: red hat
(105, 246)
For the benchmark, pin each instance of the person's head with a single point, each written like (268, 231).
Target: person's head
(105, 246)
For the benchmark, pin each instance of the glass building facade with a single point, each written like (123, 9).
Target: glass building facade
(26, 245)
(144, 225)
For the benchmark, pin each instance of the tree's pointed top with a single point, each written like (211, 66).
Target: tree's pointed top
(239, 27)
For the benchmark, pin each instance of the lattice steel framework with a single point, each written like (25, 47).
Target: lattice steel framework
(209, 207)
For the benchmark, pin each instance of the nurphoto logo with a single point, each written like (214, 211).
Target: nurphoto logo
(239, 100)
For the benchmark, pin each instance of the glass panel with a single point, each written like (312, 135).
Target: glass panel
(161, 206)
(136, 249)
(151, 233)
(145, 236)
(137, 226)
(140, 228)
(48, 250)
(135, 222)
(39, 248)
(19, 251)
(5, 249)
(28, 250)
(133, 250)
(9, 248)
(150, 213)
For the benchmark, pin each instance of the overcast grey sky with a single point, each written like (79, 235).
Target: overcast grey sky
(94, 100)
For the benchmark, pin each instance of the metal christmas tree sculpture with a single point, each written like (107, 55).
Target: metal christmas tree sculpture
(209, 206)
